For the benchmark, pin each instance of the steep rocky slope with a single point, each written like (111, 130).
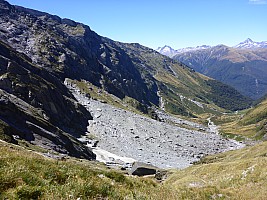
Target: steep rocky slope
(71, 50)
(37, 107)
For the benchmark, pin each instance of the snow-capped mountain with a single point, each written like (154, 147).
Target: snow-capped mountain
(169, 51)
(166, 50)
(250, 44)
(183, 50)
(247, 44)
(242, 66)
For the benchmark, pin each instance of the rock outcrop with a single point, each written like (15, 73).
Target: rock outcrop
(143, 169)
(37, 107)
(72, 50)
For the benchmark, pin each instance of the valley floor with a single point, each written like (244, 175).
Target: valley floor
(163, 144)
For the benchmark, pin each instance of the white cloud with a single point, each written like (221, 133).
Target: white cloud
(258, 2)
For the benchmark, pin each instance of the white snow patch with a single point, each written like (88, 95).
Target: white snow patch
(107, 157)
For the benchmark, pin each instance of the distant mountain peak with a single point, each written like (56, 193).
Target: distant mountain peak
(167, 47)
(247, 44)
(166, 50)
(187, 49)
(250, 44)
(169, 51)
(248, 40)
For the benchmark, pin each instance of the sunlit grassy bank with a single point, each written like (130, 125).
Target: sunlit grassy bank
(240, 174)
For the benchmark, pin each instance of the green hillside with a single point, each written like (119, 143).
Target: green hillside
(243, 69)
(250, 123)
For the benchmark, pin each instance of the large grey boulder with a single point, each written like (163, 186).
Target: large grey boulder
(143, 169)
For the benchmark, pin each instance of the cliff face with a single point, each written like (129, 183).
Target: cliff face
(70, 49)
(37, 107)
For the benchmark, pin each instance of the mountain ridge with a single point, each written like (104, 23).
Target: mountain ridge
(247, 44)
(170, 52)
(243, 69)
(241, 66)
(250, 44)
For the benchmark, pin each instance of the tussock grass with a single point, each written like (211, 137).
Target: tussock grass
(27, 175)
(251, 123)
(240, 174)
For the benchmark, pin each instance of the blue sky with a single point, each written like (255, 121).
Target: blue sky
(154, 23)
